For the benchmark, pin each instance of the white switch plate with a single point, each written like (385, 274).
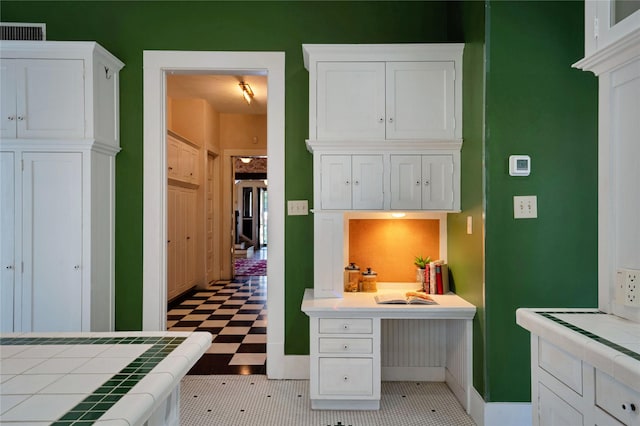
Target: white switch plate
(525, 207)
(297, 207)
(469, 225)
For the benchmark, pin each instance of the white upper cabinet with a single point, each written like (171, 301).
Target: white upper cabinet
(385, 92)
(55, 90)
(422, 182)
(608, 22)
(352, 182)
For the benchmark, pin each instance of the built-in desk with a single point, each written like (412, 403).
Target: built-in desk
(346, 340)
(119, 379)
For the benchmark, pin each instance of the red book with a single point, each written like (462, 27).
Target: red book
(439, 289)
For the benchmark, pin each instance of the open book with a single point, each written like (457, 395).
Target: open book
(411, 297)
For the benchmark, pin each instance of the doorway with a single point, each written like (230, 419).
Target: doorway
(156, 65)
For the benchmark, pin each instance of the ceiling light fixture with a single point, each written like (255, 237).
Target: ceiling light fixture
(398, 215)
(247, 93)
(245, 160)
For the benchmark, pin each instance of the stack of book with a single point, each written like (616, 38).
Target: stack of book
(436, 278)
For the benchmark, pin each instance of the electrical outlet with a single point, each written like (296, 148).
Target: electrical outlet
(525, 207)
(628, 282)
(297, 207)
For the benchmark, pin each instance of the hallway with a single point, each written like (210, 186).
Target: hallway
(235, 313)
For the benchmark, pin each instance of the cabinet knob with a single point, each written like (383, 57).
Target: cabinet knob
(632, 406)
(390, 119)
(346, 182)
(76, 267)
(381, 120)
(426, 183)
(418, 183)
(170, 168)
(356, 182)
(345, 378)
(8, 267)
(11, 118)
(21, 118)
(188, 238)
(346, 347)
(345, 326)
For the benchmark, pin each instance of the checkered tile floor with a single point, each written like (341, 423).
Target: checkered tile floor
(235, 313)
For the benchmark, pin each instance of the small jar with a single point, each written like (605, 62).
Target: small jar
(369, 282)
(351, 276)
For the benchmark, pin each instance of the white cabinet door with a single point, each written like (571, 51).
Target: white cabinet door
(421, 182)
(173, 156)
(7, 100)
(172, 235)
(191, 253)
(352, 182)
(50, 98)
(368, 178)
(437, 182)
(406, 182)
(52, 241)
(7, 242)
(350, 102)
(335, 185)
(554, 411)
(420, 102)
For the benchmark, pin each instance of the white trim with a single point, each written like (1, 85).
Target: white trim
(499, 413)
(156, 63)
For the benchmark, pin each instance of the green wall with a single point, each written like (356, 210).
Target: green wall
(466, 252)
(128, 28)
(536, 104)
(521, 96)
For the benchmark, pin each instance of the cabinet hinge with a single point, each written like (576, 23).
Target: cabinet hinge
(22, 165)
(596, 28)
(22, 267)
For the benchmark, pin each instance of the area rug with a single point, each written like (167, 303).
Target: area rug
(250, 266)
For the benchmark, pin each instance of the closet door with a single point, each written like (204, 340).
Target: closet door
(172, 236)
(52, 241)
(7, 242)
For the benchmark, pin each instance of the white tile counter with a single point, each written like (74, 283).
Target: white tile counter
(585, 366)
(126, 378)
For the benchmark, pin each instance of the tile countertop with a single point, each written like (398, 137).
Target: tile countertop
(449, 306)
(85, 378)
(607, 342)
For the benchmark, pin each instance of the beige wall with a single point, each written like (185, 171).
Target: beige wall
(243, 131)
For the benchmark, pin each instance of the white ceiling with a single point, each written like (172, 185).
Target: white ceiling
(221, 91)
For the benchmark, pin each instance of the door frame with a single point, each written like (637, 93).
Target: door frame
(155, 66)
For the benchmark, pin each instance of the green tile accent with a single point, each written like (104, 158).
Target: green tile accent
(95, 405)
(590, 335)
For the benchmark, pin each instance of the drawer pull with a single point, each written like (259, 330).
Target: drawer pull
(345, 379)
(633, 406)
(346, 347)
(345, 326)
(629, 406)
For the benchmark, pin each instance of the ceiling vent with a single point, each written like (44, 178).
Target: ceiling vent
(22, 31)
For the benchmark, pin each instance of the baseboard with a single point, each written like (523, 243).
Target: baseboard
(411, 374)
(286, 367)
(499, 413)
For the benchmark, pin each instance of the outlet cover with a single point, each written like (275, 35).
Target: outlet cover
(525, 207)
(629, 282)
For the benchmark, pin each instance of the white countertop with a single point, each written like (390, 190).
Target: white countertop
(109, 378)
(449, 306)
(607, 342)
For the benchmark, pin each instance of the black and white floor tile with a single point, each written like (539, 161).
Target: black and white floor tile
(235, 313)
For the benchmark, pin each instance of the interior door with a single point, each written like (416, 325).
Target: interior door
(52, 241)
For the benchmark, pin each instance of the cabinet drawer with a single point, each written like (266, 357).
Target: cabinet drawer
(345, 376)
(346, 346)
(345, 325)
(561, 365)
(617, 399)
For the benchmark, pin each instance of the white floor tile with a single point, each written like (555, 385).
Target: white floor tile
(255, 338)
(223, 348)
(214, 323)
(248, 359)
(195, 317)
(235, 330)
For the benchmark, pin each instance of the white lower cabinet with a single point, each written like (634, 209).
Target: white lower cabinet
(568, 391)
(182, 240)
(345, 367)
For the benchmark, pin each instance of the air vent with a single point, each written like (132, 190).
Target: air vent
(22, 31)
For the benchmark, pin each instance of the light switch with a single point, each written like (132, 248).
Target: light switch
(298, 207)
(525, 207)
